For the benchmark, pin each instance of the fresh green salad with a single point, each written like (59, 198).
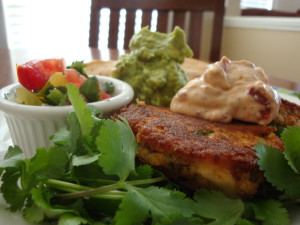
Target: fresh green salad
(91, 176)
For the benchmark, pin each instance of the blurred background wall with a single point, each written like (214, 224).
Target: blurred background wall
(275, 46)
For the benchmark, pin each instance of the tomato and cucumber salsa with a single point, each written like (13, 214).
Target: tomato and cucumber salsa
(44, 83)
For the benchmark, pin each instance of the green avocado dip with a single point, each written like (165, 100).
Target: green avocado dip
(152, 67)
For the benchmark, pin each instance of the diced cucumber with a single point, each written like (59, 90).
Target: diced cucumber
(56, 97)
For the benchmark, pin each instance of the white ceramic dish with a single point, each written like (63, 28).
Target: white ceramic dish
(30, 126)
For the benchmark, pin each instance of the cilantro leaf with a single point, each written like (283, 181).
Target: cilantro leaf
(41, 166)
(61, 136)
(159, 202)
(33, 214)
(215, 205)
(13, 158)
(30, 172)
(84, 115)
(117, 144)
(278, 172)
(12, 193)
(12, 166)
(270, 212)
(127, 216)
(13, 151)
(180, 220)
(69, 219)
(84, 160)
(74, 139)
(244, 222)
(290, 137)
(42, 207)
(142, 172)
(79, 66)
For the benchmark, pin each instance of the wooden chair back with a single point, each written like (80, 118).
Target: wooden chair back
(181, 9)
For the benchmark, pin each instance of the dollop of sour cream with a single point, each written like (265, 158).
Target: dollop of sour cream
(229, 90)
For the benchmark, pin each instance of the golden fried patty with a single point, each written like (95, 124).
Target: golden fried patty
(288, 115)
(200, 153)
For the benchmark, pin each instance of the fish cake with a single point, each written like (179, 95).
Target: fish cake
(199, 153)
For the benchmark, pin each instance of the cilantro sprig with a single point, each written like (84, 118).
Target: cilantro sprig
(91, 176)
(282, 168)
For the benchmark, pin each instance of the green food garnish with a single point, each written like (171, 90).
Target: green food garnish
(204, 132)
(79, 66)
(90, 176)
(90, 89)
(282, 168)
(109, 87)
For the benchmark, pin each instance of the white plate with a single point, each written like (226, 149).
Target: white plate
(8, 218)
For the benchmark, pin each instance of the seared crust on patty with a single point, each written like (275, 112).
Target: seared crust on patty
(200, 153)
(288, 115)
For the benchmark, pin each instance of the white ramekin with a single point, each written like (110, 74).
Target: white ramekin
(31, 126)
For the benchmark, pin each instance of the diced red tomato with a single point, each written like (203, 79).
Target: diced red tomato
(34, 74)
(50, 66)
(104, 95)
(72, 76)
(30, 77)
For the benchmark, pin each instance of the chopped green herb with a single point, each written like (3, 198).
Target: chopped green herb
(204, 132)
(109, 87)
(7, 95)
(79, 66)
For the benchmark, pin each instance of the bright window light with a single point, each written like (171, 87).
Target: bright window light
(261, 4)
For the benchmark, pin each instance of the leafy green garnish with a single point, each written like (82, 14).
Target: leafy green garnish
(84, 115)
(90, 176)
(90, 89)
(118, 151)
(109, 87)
(281, 168)
(203, 132)
(219, 208)
(79, 66)
(269, 212)
(21, 176)
(291, 141)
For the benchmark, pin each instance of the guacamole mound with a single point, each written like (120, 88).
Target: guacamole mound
(153, 66)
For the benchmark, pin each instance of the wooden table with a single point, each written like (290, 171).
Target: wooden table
(9, 59)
